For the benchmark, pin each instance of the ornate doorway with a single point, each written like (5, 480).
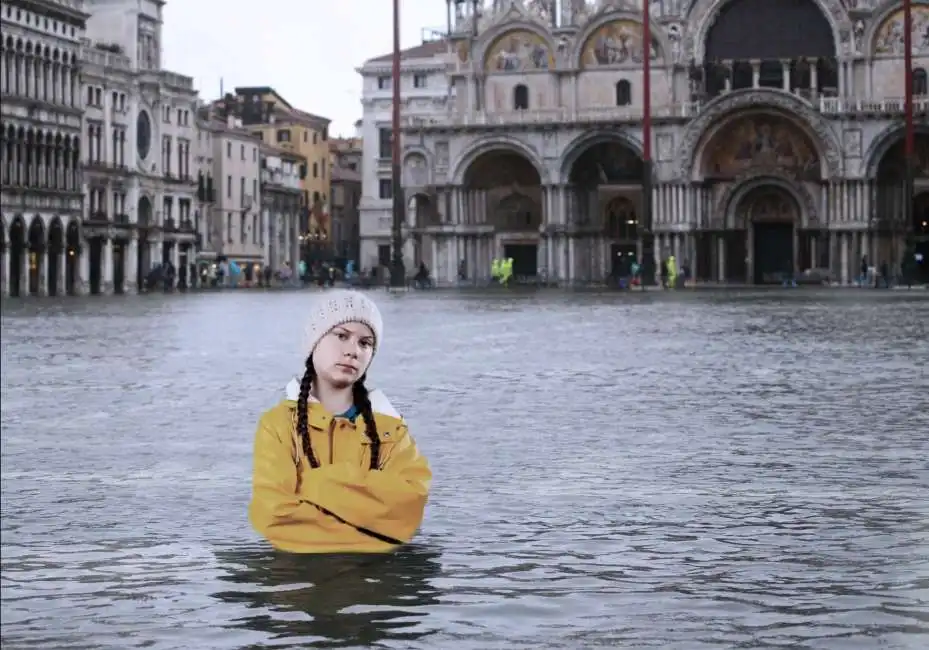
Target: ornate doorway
(772, 215)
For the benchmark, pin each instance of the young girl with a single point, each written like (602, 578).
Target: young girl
(336, 470)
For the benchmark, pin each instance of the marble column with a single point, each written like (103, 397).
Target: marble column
(131, 261)
(82, 282)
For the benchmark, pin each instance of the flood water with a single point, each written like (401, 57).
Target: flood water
(680, 471)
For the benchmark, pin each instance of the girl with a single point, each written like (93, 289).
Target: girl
(335, 468)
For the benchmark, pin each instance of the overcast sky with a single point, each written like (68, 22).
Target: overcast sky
(306, 49)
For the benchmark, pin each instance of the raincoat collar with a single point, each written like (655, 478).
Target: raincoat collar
(379, 402)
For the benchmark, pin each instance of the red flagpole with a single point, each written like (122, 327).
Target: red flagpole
(647, 235)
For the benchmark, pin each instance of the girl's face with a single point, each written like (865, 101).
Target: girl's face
(342, 356)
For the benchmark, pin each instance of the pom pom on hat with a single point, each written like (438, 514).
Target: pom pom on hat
(335, 307)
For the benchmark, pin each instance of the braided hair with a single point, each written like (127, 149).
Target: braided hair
(362, 402)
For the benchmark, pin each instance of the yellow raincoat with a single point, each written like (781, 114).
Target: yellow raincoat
(341, 506)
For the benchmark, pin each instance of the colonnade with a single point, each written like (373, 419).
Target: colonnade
(574, 247)
(37, 71)
(42, 159)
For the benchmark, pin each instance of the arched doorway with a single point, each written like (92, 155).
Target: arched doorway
(920, 248)
(17, 255)
(788, 45)
(898, 241)
(744, 149)
(56, 246)
(622, 232)
(605, 193)
(143, 259)
(503, 189)
(37, 250)
(4, 263)
(771, 213)
(72, 257)
(421, 215)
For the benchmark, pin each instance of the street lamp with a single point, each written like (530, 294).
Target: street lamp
(397, 275)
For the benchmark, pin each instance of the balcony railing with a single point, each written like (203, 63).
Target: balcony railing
(888, 106)
(606, 114)
(98, 216)
(594, 114)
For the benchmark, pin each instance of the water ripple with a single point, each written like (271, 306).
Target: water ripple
(676, 471)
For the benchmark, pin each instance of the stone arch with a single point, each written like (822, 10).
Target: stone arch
(703, 14)
(56, 234)
(878, 37)
(885, 141)
(516, 210)
(3, 231)
(495, 144)
(581, 145)
(496, 53)
(36, 237)
(73, 236)
(731, 200)
(53, 261)
(145, 217)
(421, 210)
(594, 27)
(701, 131)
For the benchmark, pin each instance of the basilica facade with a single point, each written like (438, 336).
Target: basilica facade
(777, 140)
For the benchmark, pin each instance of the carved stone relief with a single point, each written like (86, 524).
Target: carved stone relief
(852, 139)
(415, 172)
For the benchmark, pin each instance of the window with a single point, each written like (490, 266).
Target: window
(315, 137)
(254, 188)
(242, 152)
(283, 135)
(920, 82)
(385, 143)
(228, 150)
(623, 93)
(315, 170)
(306, 135)
(420, 80)
(520, 97)
(242, 189)
(383, 83)
(229, 186)
(385, 188)
(229, 228)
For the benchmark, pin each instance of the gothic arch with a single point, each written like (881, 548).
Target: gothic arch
(701, 130)
(588, 31)
(885, 140)
(703, 14)
(493, 143)
(730, 200)
(583, 143)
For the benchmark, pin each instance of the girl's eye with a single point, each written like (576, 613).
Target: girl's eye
(366, 344)
(342, 336)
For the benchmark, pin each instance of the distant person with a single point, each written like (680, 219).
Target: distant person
(335, 468)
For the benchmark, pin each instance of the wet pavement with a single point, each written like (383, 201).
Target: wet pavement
(680, 470)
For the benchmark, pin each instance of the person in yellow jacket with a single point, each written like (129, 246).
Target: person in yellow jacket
(335, 467)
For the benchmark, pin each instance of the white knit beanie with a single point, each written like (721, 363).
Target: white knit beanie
(335, 307)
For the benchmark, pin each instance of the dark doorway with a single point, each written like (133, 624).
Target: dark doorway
(37, 250)
(774, 252)
(621, 258)
(920, 238)
(56, 244)
(120, 248)
(17, 250)
(143, 261)
(95, 252)
(72, 258)
(383, 255)
(525, 259)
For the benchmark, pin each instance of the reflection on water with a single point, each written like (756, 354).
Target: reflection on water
(332, 601)
(682, 471)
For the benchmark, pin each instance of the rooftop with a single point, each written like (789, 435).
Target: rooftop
(425, 50)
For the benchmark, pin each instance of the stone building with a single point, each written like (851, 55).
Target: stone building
(281, 192)
(40, 152)
(345, 163)
(140, 127)
(776, 141)
(238, 228)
